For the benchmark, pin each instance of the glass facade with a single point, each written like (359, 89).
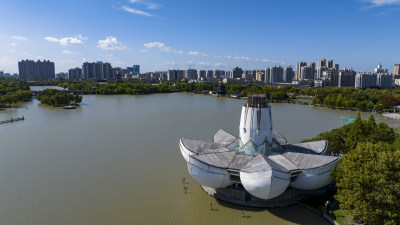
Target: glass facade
(251, 149)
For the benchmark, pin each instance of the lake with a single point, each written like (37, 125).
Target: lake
(116, 160)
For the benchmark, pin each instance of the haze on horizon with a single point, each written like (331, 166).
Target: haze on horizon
(161, 35)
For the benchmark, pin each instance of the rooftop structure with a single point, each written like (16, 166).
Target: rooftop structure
(258, 168)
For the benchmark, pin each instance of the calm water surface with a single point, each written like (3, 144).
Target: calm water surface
(115, 160)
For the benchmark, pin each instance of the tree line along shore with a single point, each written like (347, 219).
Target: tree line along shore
(376, 100)
(372, 100)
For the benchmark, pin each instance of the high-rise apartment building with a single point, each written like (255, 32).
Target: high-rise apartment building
(260, 76)
(175, 74)
(306, 73)
(29, 69)
(105, 70)
(219, 73)
(336, 66)
(329, 64)
(312, 65)
(384, 80)
(365, 80)
(190, 74)
(331, 75)
(288, 74)
(379, 78)
(97, 71)
(320, 71)
(276, 74)
(267, 75)
(75, 73)
(347, 78)
(89, 70)
(135, 69)
(297, 75)
(236, 73)
(210, 73)
(371, 80)
(201, 74)
(396, 70)
(248, 75)
(321, 63)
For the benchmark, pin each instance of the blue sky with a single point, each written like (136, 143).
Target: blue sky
(160, 35)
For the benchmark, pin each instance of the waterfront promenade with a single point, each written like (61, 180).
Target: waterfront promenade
(392, 115)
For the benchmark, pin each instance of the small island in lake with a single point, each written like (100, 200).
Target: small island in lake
(58, 98)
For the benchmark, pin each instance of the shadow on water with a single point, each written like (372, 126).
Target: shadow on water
(294, 213)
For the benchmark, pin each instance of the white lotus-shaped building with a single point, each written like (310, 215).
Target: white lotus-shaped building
(258, 162)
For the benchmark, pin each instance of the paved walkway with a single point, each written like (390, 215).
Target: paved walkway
(392, 115)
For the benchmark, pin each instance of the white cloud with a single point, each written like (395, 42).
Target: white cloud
(68, 52)
(169, 63)
(6, 61)
(194, 53)
(67, 41)
(19, 38)
(110, 43)
(13, 44)
(154, 45)
(220, 64)
(135, 11)
(162, 47)
(80, 36)
(66, 62)
(12, 50)
(27, 54)
(378, 3)
(149, 5)
(118, 63)
(204, 63)
(144, 50)
(268, 60)
(243, 58)
(51, 39)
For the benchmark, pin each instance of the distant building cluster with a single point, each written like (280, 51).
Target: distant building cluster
(379, 78)
(324, 73)
(31, 70)
(102, 71)
(3, 74)
(328, 74)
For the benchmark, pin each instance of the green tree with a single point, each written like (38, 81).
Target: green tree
(370, 105)
(58, 98)
(356, 133)
(368, 182)
(362, 105)
(339, 100)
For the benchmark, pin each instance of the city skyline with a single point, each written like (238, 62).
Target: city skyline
(161, 35)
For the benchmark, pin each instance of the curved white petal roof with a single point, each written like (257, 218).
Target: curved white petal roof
(266, 167)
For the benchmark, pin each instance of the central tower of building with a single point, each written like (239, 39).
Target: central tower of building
(256, 121)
